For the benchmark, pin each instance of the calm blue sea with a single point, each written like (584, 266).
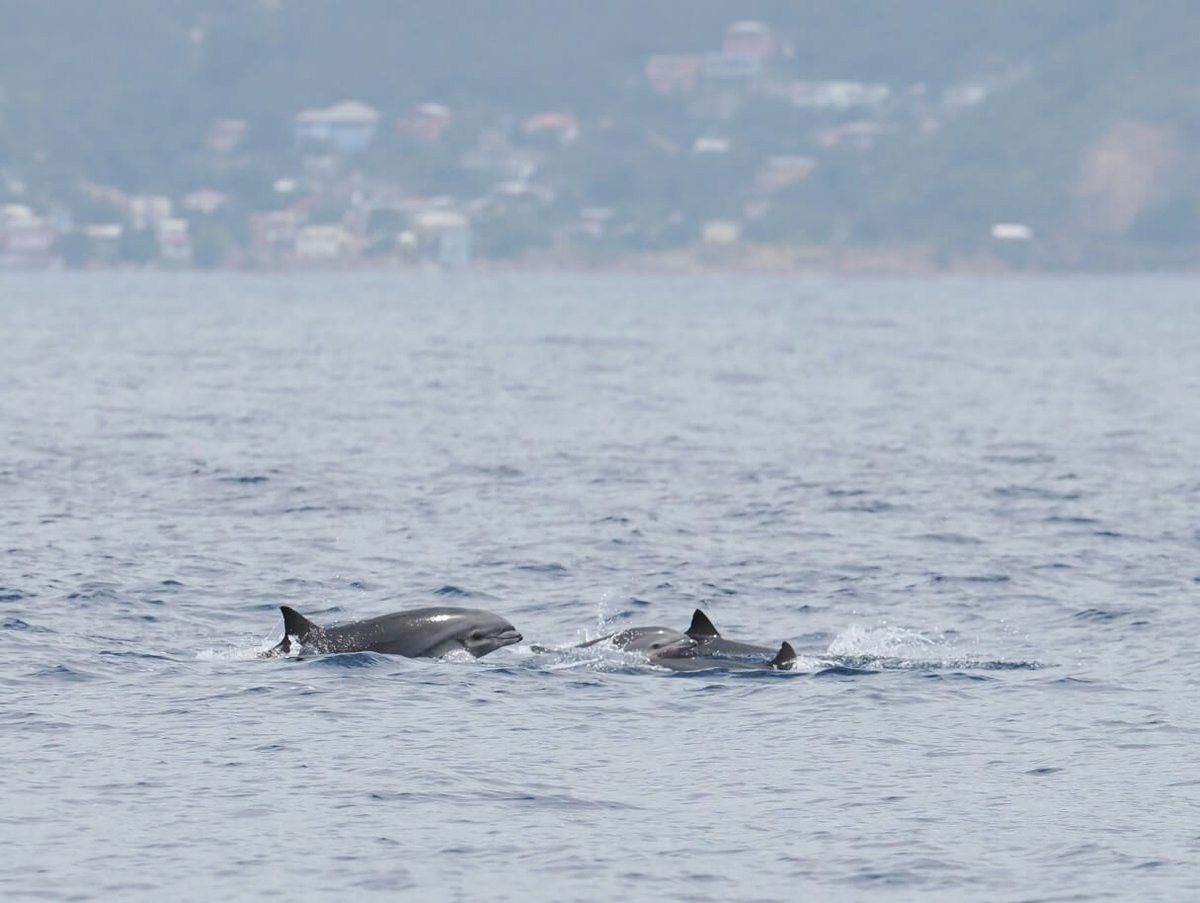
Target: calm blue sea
(972, 506)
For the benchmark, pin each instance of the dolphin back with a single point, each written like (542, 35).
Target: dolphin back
(418, 633)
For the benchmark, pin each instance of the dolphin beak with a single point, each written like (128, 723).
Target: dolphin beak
(508, 637)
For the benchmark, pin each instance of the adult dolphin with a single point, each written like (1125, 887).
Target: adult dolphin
(416, 633)
(700, 646)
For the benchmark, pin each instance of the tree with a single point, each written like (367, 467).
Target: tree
(211, 244)
(73, 248)
(138, 246)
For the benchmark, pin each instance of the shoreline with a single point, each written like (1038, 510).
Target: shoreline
(732, 259)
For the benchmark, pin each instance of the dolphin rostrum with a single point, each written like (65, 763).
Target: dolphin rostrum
(416, 633)
(700, 646)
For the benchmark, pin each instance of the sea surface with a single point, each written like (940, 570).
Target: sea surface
(973, 507)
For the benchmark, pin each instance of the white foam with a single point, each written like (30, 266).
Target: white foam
(244, 653)
(884, 641)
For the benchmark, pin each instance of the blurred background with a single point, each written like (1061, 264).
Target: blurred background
(878, 135)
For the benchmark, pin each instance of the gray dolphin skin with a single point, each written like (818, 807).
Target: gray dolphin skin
(417, 633)
(642, 639)
(701, 646)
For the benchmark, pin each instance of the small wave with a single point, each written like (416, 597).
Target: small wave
(551, 800)
(494, 471)
(871, 506)
(455, 591)
(958, 539)
(1035, 493)
(738, 378)
(1033, 458)
(346, 660)
(136, 656)
(1100, 615)
(548, 568)
(971, 578)
(843, 671)
(63, 673)
(95, 592)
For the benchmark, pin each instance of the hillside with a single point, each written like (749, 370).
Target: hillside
(1076, 118)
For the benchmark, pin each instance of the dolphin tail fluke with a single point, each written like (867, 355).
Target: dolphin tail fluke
(701, 626)
(295, 624)
(784, 658)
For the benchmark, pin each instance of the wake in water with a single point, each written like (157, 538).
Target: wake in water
(889, 648)
(857, 650)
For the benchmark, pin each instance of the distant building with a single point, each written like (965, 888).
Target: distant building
(594, 221)
(274, 233)
(103, 240)
(707, 145)
(1011, 232)
(106, 195)
(174, 242)
(147, 210)
(752, 40)
(859, 135)
(348, 127)
(205, 200)
(493, 153)
(779, 172)
(454, 248)
(425, 123)
(673, 73)
(323, 244)
(720, 232)
(15, 214)
(26, 240)
(562, 126)
(731, 67)
(445, 234)
(965, 95)
(835, 95)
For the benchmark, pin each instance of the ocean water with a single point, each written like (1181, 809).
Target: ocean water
(972, 507)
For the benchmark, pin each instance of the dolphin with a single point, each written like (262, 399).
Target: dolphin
(417, 633)
(695, 658)
(700, 646)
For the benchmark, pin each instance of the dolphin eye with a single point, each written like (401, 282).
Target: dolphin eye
(477, 634)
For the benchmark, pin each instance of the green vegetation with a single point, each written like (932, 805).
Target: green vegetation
(125, 93)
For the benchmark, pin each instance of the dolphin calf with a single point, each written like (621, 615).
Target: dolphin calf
(700, 646)
(417, 633)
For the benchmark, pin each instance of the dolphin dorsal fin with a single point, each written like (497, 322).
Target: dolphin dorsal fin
(701, 626)
(295, 624)
(785, 656)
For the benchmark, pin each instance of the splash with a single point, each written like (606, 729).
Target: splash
(882, 642)
(249, 653)
(889, 648)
